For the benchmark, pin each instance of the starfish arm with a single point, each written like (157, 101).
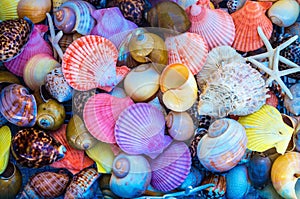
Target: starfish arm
(289, 71)
(269, 81)
(260, 56)
(288, 62)
(288, 42)
(260, 65)
(51, 26)
(284, 87)
(56, 45)
(275, 60)
(264, 39)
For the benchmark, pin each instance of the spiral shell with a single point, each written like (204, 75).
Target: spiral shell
(10, 182)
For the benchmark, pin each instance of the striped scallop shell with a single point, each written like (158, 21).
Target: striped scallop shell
(223, 146)
(170, 168)
(246, 21)
(215, 26)
(101, 113)
(189, 49)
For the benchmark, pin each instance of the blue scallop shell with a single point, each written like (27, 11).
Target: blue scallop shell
(237, 183)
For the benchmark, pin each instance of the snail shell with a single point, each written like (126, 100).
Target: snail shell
(104, 187)
(10, 182)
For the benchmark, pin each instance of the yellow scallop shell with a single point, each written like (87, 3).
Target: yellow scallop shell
(5, 140)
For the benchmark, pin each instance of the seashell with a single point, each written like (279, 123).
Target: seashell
(181, 94)
(74, 160)
(78, 136)
(142, 83)
(57, 86)
(194, 178)
(34, 148)
(216, 156)
(180, 125)
(235, 88)
(51, 115)
(131, 175)
(293, 105)
(11, 31)
(235, 5)
(10, 182)
(101, 113)
(285, 173)
(173, 166)
(189, 49)
(9, 9)
(35, 10)
(118, 92)
(2, 120)
(74, 16)
(82, 183)
(169, 15)
(146, 132)
(284, 13)
(268, 192)
(37, 68)
(246, 21)
(67, 39)
(237, 182)
(56, 4)
(105, 188)
(218, 190)
(265, 129)
(79, 100)
(272, 100)
(8, 77)
(18, 106)
(133, 10)
(5, 140)
(199, 133)
(215, 26)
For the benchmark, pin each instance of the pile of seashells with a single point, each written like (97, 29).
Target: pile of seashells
(149, 99)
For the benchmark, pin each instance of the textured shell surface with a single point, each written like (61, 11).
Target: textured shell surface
(15, 34)
(235, 5)
(35, 148)
(9, 9)
(5, 142)
(133, 10)
(67, 39)
(79, 100)
(189, 49)
(18, 106)
(273, 99)
(215, 26)
(237, 182)
(236, 88)
(216, 191)
(223, 146)
(101, 113)
(56, 4)
(293, 105)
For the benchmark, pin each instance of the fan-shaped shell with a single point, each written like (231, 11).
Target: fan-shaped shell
(215, 26)
(266, 129)
(189, 49)
(101, 113)
(5, 141)
(18, 106)
(9, 9)
(223, 147)
(246, 21)
(170, 168)
(140, 129)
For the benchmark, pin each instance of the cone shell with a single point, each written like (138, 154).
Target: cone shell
(215, 26)
(173, 166)
(35, 10)
(189, 49)
(5, 141)
(246, 21)
(9, 9)
(266, 129)
(101, 113)
(18, 106)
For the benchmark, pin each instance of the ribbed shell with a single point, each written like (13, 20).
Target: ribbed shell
(8, 9)
(5, 141)
(246, 21)
(223, 147)
(18, 106)
(189, 49)
(215, 26)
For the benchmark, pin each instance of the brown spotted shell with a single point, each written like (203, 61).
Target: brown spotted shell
(79, 100)
(35, 148)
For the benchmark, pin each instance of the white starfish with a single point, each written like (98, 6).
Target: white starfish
(273, 55)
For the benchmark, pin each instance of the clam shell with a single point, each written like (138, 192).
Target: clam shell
(246, 21)
(9, 9)
(18, 106)
(189, 49)
(173, 166)
(101, 113)
(237, 182)
(293, 105)
(5, 141)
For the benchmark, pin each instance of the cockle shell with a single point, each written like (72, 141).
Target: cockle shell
(101, 113)
(35, 10)
(189, 49)
(10, 182)
(11, 31)
(18, 106)
(265, 129)
(35, 148)
(223, 146)
(131, 175)
(133, 10)
(246, 21)
(5, 141)
(9, 9)
(215, 26)
(235, 88)
(293, 105)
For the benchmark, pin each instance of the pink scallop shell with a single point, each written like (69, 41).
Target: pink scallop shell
(189, 49)
(140, 130)
(170, 168)
(101, 113)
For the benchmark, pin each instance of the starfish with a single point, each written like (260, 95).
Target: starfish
(274, 57)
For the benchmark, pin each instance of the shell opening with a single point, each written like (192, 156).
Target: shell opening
(173, 77)
(276, 20)
(46, 121)
(169, 120)
(59, 14)
(9, 172)
(121, 167)
(61, 152)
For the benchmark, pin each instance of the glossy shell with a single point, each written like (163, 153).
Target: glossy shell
(214, 151)
(133, 10)
(293, 105)
(35, 10)
(56, 4)
(10, 182)
(5, 141)
(237, 182)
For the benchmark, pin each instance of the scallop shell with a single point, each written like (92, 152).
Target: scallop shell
(5, 141)
(215, 26)
(293, 105)
(189, 49)
(101, 113)
(173, 166)
(8, 9)
(18, 106)
(140, 129)
(265, 129)
(246, 21)
(12, 31)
